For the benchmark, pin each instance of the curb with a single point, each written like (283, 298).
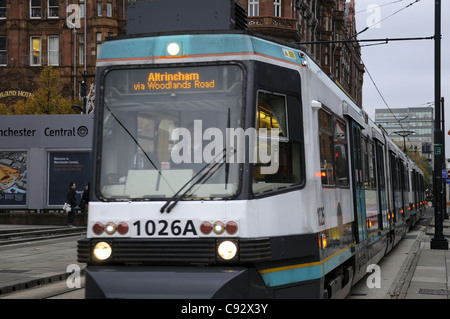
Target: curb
(401, 283)
(37, 281)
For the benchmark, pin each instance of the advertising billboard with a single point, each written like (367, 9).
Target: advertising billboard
(66, 167)
(13, 178)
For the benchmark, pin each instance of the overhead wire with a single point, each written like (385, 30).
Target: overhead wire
(398, 11)
(382, 5)
(378, 22)
(367, 70)
(349, 41)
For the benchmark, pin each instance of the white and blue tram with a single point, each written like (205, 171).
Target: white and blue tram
(183, 208)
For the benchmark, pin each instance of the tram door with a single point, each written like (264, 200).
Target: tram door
(381, 182)
(358, 182)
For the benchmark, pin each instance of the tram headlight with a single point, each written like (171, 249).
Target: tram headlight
(102, 251)
(227, 250)
(173, 48)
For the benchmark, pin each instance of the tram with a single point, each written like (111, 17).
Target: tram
(228, 165)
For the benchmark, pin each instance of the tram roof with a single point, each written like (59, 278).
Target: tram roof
(239, 43)
(212, 46)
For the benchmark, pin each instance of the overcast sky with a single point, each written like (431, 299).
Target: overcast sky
(403, 71)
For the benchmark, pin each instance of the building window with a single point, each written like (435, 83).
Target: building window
(109, 9)
(81, 49)
(53, 8)
(277, 8)
(82, 11)
(99, 9)
(35, 8)
(2, 9)
(99, 39)
(35, 51)
(253, 8)
(3, 54)
(99, 46)
(53, 50)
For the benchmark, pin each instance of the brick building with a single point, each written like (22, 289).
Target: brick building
(34, 33)
(306, 21)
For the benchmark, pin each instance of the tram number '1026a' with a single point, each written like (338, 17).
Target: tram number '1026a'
(165, 228)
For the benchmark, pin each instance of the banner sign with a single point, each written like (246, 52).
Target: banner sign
(13, 178)
(66, 167)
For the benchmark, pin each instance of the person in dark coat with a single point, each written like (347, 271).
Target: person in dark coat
(72, 201)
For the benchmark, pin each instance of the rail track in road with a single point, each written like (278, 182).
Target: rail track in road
(21, 234)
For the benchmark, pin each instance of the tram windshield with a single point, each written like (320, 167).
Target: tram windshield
(165, 132)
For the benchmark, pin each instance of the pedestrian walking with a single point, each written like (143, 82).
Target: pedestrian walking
(71, 199)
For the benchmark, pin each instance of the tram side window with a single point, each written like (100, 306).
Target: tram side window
(333, 151)
(326, 148)
(380, 166)
(282, 166)
(369, 165)
(272, 113)
(371, 155)
(407, 185)
(340, 153)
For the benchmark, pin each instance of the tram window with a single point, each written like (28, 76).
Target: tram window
(380, 166)
(371, 166)
(407, 185)
(146, 131)
(165, 143)
(365, 163)
(272, 113)
(340, 153)
(333, 150)
(326, 147)
(284, 167)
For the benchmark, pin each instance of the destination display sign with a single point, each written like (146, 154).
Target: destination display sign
(179, 79)
(174, 80)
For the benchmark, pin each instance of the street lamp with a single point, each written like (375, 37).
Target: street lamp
(438, 241)
(404, 134)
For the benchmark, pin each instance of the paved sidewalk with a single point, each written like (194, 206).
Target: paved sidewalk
(36, 263)
(429, 277)
(427, 274)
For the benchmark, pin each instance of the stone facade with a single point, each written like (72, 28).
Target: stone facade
(34, 33)
(308, 21)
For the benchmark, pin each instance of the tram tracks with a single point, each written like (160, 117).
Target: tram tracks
(21, 235)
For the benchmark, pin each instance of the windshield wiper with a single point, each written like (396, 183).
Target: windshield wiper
(210, 172)
(227, 164)
(137, 143)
